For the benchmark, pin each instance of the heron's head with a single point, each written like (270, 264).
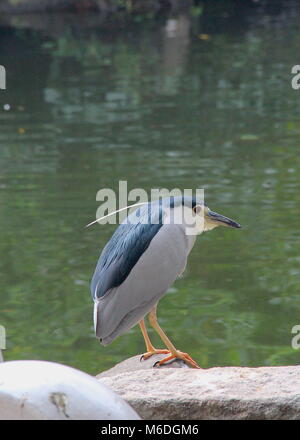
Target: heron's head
(199, 215)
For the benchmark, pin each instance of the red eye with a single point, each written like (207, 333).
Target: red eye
(197, 209)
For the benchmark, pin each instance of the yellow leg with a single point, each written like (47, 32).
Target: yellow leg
(174, 353)
(149, 347)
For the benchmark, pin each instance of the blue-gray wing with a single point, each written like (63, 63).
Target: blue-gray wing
(128, 243)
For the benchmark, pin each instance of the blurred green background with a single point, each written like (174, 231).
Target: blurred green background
(194, 98)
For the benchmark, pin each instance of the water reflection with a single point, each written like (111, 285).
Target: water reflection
(159, 106)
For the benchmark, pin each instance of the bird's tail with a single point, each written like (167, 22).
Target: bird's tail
(96, 317)
(104, 339)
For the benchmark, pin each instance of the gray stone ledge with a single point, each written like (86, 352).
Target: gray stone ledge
(216, 393)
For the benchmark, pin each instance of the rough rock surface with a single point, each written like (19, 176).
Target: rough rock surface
(215, 393)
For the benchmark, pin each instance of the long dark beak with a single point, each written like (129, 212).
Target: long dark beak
(225, 221)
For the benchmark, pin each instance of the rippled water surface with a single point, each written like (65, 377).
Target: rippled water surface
(184, 102)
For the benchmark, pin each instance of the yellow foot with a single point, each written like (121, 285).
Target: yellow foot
(179, 355)
(152, 352)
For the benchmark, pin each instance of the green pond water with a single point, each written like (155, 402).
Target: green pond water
(188, 102)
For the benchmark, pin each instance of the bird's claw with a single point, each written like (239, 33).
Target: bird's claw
(178, 355)
(148, 354)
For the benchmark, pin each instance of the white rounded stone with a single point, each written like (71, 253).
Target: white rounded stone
(43, 390)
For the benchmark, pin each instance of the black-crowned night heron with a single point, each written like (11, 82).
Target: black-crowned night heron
(143, 258)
